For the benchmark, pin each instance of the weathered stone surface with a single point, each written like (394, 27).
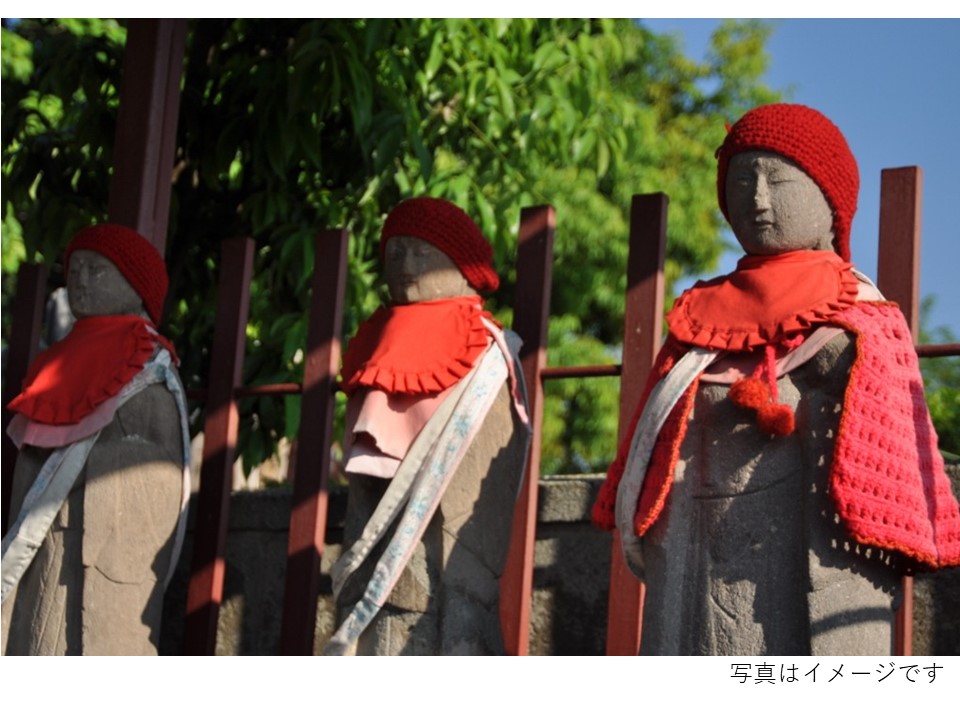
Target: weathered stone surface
(571, 575)
(96, 287)
(570, 580)
(446, 600)
(417, 271)
(748, 558)
(774, 206)
(96, 585)
(936, 614)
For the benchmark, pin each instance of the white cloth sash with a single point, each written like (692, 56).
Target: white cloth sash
(417, 488)
(660, 403)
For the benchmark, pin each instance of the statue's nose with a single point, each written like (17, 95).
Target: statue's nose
(761, 194)
(408, 262)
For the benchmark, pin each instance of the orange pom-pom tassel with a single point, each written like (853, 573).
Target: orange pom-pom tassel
(776, 419)
(750, 393)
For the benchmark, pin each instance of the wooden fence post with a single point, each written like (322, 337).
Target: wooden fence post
(205, 592)
(643, 327)
(898, 277)
(308, 518)
(530, 318)
(146, 138)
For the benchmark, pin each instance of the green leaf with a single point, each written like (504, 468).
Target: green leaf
(603, 157)
(290, 126)
(291, 414)
(434, 59)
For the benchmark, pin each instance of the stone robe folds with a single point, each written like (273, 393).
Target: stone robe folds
(748, 556)
(751, 544)
(96, 584)
(446, 600)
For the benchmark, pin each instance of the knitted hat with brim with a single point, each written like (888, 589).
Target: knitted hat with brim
(135, 257)
(810, 140)
(447, 227)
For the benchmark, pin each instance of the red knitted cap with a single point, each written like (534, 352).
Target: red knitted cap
(815, 144)
(135, 257)
(446, 226)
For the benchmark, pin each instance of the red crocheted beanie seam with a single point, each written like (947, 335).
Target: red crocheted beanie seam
(447, 227)
(814, 143)
(135, 257)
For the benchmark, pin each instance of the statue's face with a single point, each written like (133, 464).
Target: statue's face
(96, 287)
(775, 207)
(417, 271)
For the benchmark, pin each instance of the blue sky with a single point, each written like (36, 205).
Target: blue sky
(893, 89)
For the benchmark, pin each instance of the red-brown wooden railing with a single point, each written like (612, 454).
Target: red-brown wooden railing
(641, 341)
(898, 277)
(139, 197)
(143, 150)
(643, 315)
(220, 429)
(308, 517)
(530, 319)
(312, 465)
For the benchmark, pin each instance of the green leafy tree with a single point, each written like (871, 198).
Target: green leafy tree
(287, 127)
(58, 121)
(941, 381)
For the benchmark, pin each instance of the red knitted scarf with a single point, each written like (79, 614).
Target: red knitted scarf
(415, 349)
(887, 477)
(67, 382)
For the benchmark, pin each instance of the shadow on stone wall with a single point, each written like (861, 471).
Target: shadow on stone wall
(571, 570)
(936, 612)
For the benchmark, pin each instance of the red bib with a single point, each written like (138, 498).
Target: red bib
(415, 349)
(767, 299)
(66, 382)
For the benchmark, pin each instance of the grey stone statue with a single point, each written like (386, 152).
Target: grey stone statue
(446, 597)
(747, 496)
(95, 585)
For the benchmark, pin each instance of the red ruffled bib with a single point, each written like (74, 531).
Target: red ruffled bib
(415, 349)
(67, 382)
(767, 299)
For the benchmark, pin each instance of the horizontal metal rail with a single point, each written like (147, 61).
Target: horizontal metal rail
(934, 351)
(548, 373)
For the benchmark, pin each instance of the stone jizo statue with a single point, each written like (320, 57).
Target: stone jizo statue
(781, 473)
(101, 484)
(435, 450)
